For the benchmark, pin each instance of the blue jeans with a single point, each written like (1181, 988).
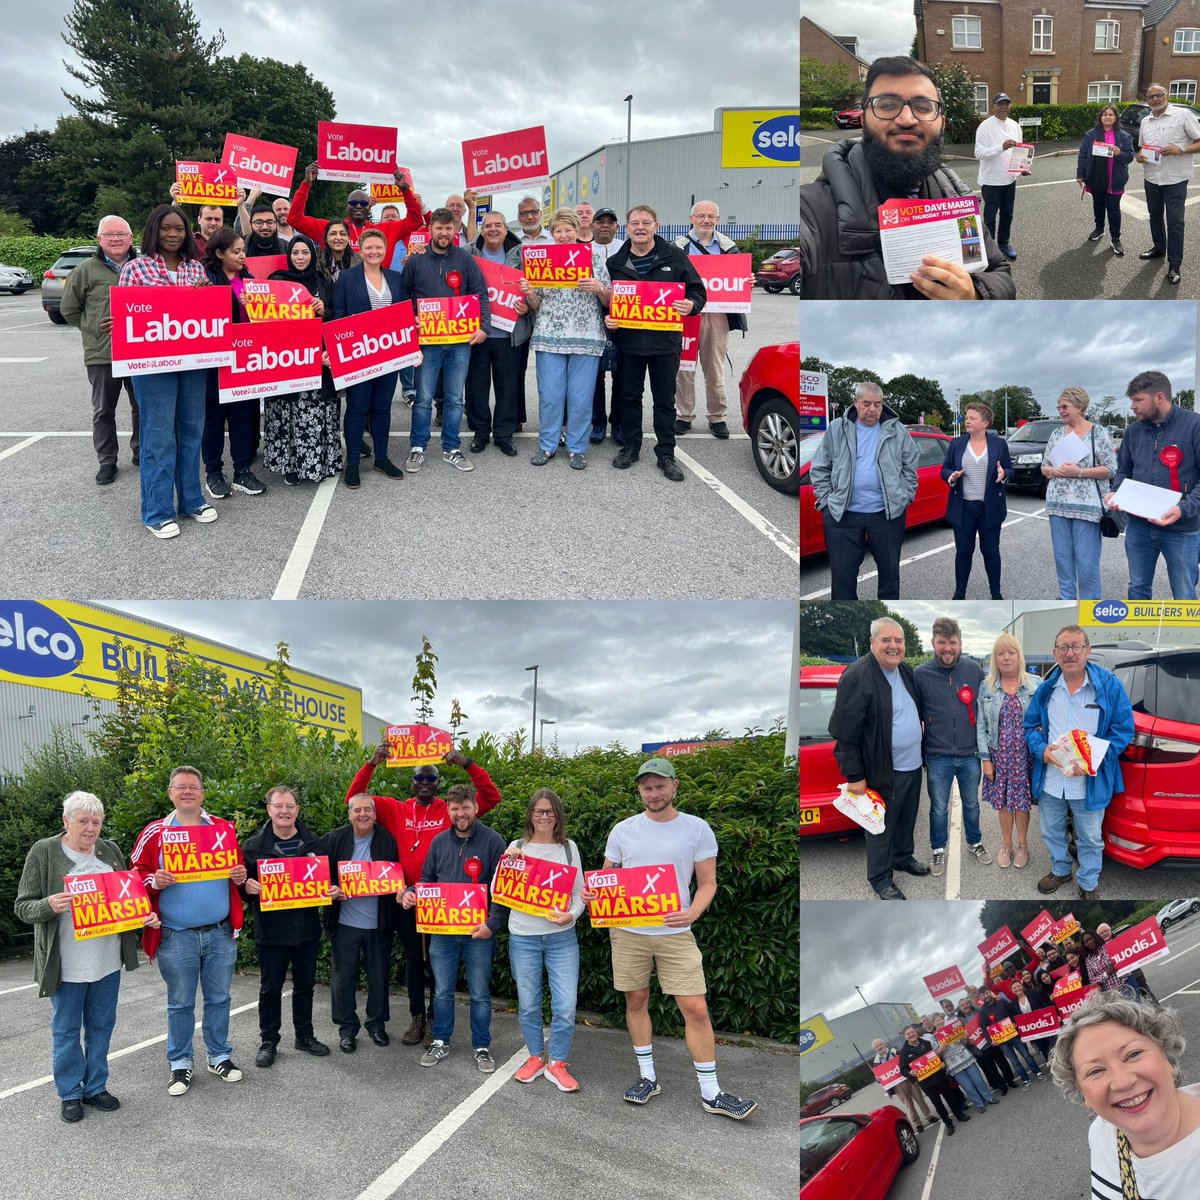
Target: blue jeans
(171, 408)
(91, 1008)
(452, 363)
(565, 380)
(446, 951)
(560, 953)
(1076, 546)
(1143, 544)
(185, 958)
(373, 397)
(1017, 1052)
(1052, 816)
(941, 770)
(408, 380)
(971, 1080)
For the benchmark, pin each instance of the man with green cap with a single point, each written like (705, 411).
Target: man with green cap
(662, 834)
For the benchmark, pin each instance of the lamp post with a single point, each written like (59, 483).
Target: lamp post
(628, 147)
(533, 724)
(873, 1013)
(543, 723)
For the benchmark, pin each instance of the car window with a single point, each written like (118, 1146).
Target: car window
(1034, 431)
(807, 449)
(1133, 679)
(1176, 691)
(932, 452)
(823, 1139)
(69, 261)
(816, 707)
(781, 254)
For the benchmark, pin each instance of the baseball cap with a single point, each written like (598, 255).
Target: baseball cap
(604, 212)
(1001, 98)
(655, 766)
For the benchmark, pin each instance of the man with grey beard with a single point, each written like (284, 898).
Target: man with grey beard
(899, 156)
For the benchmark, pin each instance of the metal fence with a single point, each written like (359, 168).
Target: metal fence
(766, 233)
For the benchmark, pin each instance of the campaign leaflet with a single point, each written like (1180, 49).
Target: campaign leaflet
(910, 230)
(1002, 1031)
(533, 885)
(206, 183)
(1020, 158)
(503, 162)
(370, 878)
(1105, 149)
(108, 902)
(632, 895)
(367, 344)
(352, 153)
(1040, 1023)
(1152, 153)
(451, 907)
(926, 1065)
(272, 358)
(945, 982)
(157, 329)
(1142, 944)
(887, 1074)
(293, 883)
(637, 304)
(266, 165)
(195, 852)
(867, 809)
(276, 300)
(448, 320)
(416, 745)
(503, 289)
(560, 265)
(691, 343)
(728, 281)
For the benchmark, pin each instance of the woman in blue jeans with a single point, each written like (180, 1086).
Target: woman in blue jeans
(535, 943)
(82, 979)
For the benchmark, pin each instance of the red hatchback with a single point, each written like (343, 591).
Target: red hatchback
(770, 392)
(819, 772)
(928, 505)
(854, 1156)
(781, 270)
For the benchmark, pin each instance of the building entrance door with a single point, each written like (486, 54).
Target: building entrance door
(1041, 92)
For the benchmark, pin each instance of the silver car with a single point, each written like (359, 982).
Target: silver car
(16, 280)
(1176, 911)
(55, 279)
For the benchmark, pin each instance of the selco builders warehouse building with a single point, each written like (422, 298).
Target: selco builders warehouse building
(54, 652)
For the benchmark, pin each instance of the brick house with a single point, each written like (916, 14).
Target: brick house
(825, 47)
(1171, 48)
(1039, 51)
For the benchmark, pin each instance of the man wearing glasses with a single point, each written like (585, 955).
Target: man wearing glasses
(85, 304)
(1167, 139)
(414, 823)
(899, 156)
(1076, 695)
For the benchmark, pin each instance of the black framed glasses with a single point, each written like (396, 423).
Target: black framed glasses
(887, 107)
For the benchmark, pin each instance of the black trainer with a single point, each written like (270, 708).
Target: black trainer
(719, 430)
(248, 482)
(72, 1111)
(626, 457)
(217, 486)
(107, 473)
(682, 427)
(103, 1101)
(350, 476)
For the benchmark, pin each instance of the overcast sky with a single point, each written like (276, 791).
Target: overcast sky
(1042, 345)
(631, 671)
(474, 69)
(881, 26)
(980, 620)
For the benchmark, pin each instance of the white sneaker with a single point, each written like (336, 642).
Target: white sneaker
(416, 460)
(204, 514)
(164, 529)
(456, 460)
(980, 853)
(938, 864)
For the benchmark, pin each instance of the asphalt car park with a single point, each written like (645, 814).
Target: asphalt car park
(506, 530)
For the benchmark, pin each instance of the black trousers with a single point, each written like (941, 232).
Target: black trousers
(847, 542)
(1106, 204)
(1171, 199)
(418, 974)
(998, 199)
(894, 846)
(964, 548)
(937, 1088)
(352, 949)
(273, 963)
(996, 1068)
(106, 392)
(662, 369)
(241, 416)
(493, 367)
(614, 406)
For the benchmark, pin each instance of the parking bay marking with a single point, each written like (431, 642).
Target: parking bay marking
(24, 360)
(29, 441)
(24, 987)
(288, 587)
(937, 1147)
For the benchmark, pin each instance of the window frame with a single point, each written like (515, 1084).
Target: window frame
(965, 18)
(1194, 31)
(986, 99)
(1113, 27)
(1181, 97)
(1105, 99)
(1046, 34)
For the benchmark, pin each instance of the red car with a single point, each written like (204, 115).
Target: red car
(825, 1098)
(854, 1156)
(848, 118)
(819, 772)
(770, 391)
(781, 270)
(928, 505)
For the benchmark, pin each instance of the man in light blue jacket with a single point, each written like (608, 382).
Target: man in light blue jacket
(864, 477)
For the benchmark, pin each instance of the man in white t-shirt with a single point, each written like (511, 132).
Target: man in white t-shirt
(1168, 139)
(994, 140)
(660, 834)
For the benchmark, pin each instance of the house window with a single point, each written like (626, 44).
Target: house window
(1184, 90)
(1104, 93)
(1043, 33)
(967, 33)
(1187, 41)
(1108, 35)
(981, 99)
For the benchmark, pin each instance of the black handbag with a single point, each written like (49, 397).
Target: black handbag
(1111, 523)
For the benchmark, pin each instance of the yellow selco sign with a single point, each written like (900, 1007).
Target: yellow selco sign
(761, 138)
(66, 647)
(813, 1033)
(1118, 614)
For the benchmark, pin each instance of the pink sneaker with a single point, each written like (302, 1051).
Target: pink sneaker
(558, 1075)
(530, 1069)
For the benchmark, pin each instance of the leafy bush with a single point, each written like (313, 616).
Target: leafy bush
(35, 254)
(816, 118)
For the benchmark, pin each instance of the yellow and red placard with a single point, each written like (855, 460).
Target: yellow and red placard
(1002, 1031)
(557, 265)
(417, 745)
(266, 165)
(502, 162)
(640, 305)
(110, 902)
(633, 895)
(419, 237)
(1040, 1023)
(728, 280)
(926, 1065)
(263, 265)
(953, 1032)
(195, 852)
(370, 878)
(1067, 927)
(504, 290)
(1069, 983)
(276, 300)
(372, 343)
(272, 358)
(206, 183)
(157, 329)
(293, 883)
(390, 193)
(447, 320)
(1143, 943)
(1039, 929)
(353, 153)
(451, 907)
(533, 885)
(888, 1074)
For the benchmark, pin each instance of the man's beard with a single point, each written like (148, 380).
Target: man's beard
(899, 174)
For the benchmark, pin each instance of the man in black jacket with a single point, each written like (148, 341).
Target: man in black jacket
(283, 937)
(899, 156)
(995, 1010)
(935, 1085)
(876, 727)
(648, 258)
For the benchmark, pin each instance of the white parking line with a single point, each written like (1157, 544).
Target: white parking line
(13, 328)
(771, 532)
(1133, 207)
(33, 437)
(927, 1191)
(24, 987)
(20, 360)
(412, 1159)
(288, 587)
(953, 849)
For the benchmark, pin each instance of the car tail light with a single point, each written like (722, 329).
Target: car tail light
(1146, 748)
(47, 274)
(1139, 749)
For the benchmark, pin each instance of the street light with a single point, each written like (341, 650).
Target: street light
(628, 147)
(533, 724)
(873, 1012)
(543, 723)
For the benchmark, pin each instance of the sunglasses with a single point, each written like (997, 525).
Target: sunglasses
(359, 203)
(425, 778)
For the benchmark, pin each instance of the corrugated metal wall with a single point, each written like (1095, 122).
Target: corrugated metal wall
(20, 731)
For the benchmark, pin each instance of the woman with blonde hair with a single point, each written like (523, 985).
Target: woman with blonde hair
(1003, 698)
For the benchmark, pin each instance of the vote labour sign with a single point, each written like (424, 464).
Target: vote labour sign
(926, 1065)
(1067, 927)
(1002, 1031)
(370, 878)
(1039, 929)
(888, 1074)
(1136, 947)
(276, 300)
(504, 290)
(1040, 1023)
(505, 161)
(975, 1034)
(417, 745)
(728, 280)
(272, 358)
(447, 320)
(111, 902)
(194, 852)
(293, 883)
(944, 982)
(632, 895)
(206, 183)
(639, 305)
(558, 265)
(691, 343)
(533, 885)
(999, 946)
(1066, 1005)
(373, 343)
(267, 165)
(450, 907)
(157, 329)
(352, 153)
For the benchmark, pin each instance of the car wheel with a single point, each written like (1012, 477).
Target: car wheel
(775, 439)
(794, 286)
(834, 1101)
(772, 287)
(1195, 907)
(1164, 924)
(56, 316)
(910, 1148)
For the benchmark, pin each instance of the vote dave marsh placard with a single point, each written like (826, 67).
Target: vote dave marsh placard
(109, 902)
(293, 883)
(450, 907)
(533, 885)
(632, 895)
(194, 852)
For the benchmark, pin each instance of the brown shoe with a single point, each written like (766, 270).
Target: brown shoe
(1094, 894)
(1051, 883)
(414, 1033)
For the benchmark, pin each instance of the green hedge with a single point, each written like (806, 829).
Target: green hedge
(1060, 122)
(35, 254)
(816, 118)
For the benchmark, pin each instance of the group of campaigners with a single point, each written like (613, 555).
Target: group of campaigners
(864, 477)
(355, 264)
(192, 929)
(956, 723)
(900, 156)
